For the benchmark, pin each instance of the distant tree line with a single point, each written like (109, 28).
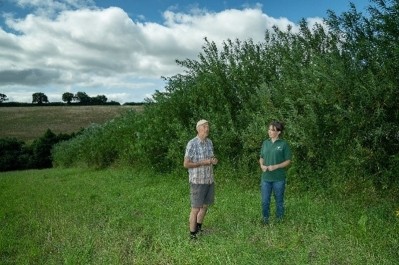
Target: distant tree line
(80, 98)
(84, 99)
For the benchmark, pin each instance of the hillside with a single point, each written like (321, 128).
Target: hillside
(29, 123)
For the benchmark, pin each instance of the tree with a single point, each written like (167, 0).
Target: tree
(39, 98)
(67, 97)
(13, 154)
(99, 99)
(83, 98)
(3, 98)
(42, 150)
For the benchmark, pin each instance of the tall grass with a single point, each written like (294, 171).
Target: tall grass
(121, 216)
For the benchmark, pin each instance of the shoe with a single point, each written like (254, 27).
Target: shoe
(193, 236)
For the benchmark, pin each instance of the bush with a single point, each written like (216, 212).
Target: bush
(16, 155)
(12, 152)
(335, 89)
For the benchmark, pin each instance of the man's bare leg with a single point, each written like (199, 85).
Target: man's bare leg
(201, 214)
(194, 219)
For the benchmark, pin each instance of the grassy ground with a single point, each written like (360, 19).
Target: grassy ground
(75, 216)
(30, 123)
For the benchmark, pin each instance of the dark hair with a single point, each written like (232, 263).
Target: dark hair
(278, 125)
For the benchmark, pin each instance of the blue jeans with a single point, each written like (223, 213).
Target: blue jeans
(278, 188)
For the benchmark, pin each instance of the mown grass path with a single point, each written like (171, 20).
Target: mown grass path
(77, 216)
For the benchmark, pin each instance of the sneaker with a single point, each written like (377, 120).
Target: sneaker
(193, 236)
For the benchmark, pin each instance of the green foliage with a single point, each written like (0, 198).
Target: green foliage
(13, 154)
(335, 88)
(99, 146)
(67, 97)
(41, 148)
(83, 99)
(39, 98)
(17, 155)
(3, 98)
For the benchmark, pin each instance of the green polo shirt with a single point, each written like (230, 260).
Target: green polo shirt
(273, 154)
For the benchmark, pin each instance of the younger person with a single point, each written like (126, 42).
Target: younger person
(275, 156)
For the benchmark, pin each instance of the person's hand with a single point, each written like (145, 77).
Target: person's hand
(213, 161)
(264, 168)
(272, 168)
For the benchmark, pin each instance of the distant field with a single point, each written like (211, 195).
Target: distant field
(29, 123)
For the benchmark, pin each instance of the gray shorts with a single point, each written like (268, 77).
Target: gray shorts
(202, 194)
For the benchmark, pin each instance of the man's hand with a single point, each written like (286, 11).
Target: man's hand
(213, 161)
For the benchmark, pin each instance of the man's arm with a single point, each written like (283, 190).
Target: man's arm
(189, 164)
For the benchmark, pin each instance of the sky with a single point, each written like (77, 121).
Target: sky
(123, 48)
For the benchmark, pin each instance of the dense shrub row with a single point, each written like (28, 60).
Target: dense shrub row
(17, 155)
(336, 89)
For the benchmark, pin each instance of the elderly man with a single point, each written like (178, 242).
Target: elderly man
(199, 160)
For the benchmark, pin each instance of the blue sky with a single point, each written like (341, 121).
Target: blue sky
(121, 48)
(291, 9)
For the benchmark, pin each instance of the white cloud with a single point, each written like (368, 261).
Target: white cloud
(52, 7)
(89, 49)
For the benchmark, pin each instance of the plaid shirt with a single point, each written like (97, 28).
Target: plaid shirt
(196, 151)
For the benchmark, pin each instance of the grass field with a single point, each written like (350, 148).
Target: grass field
(121, 216)
(30, 123)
